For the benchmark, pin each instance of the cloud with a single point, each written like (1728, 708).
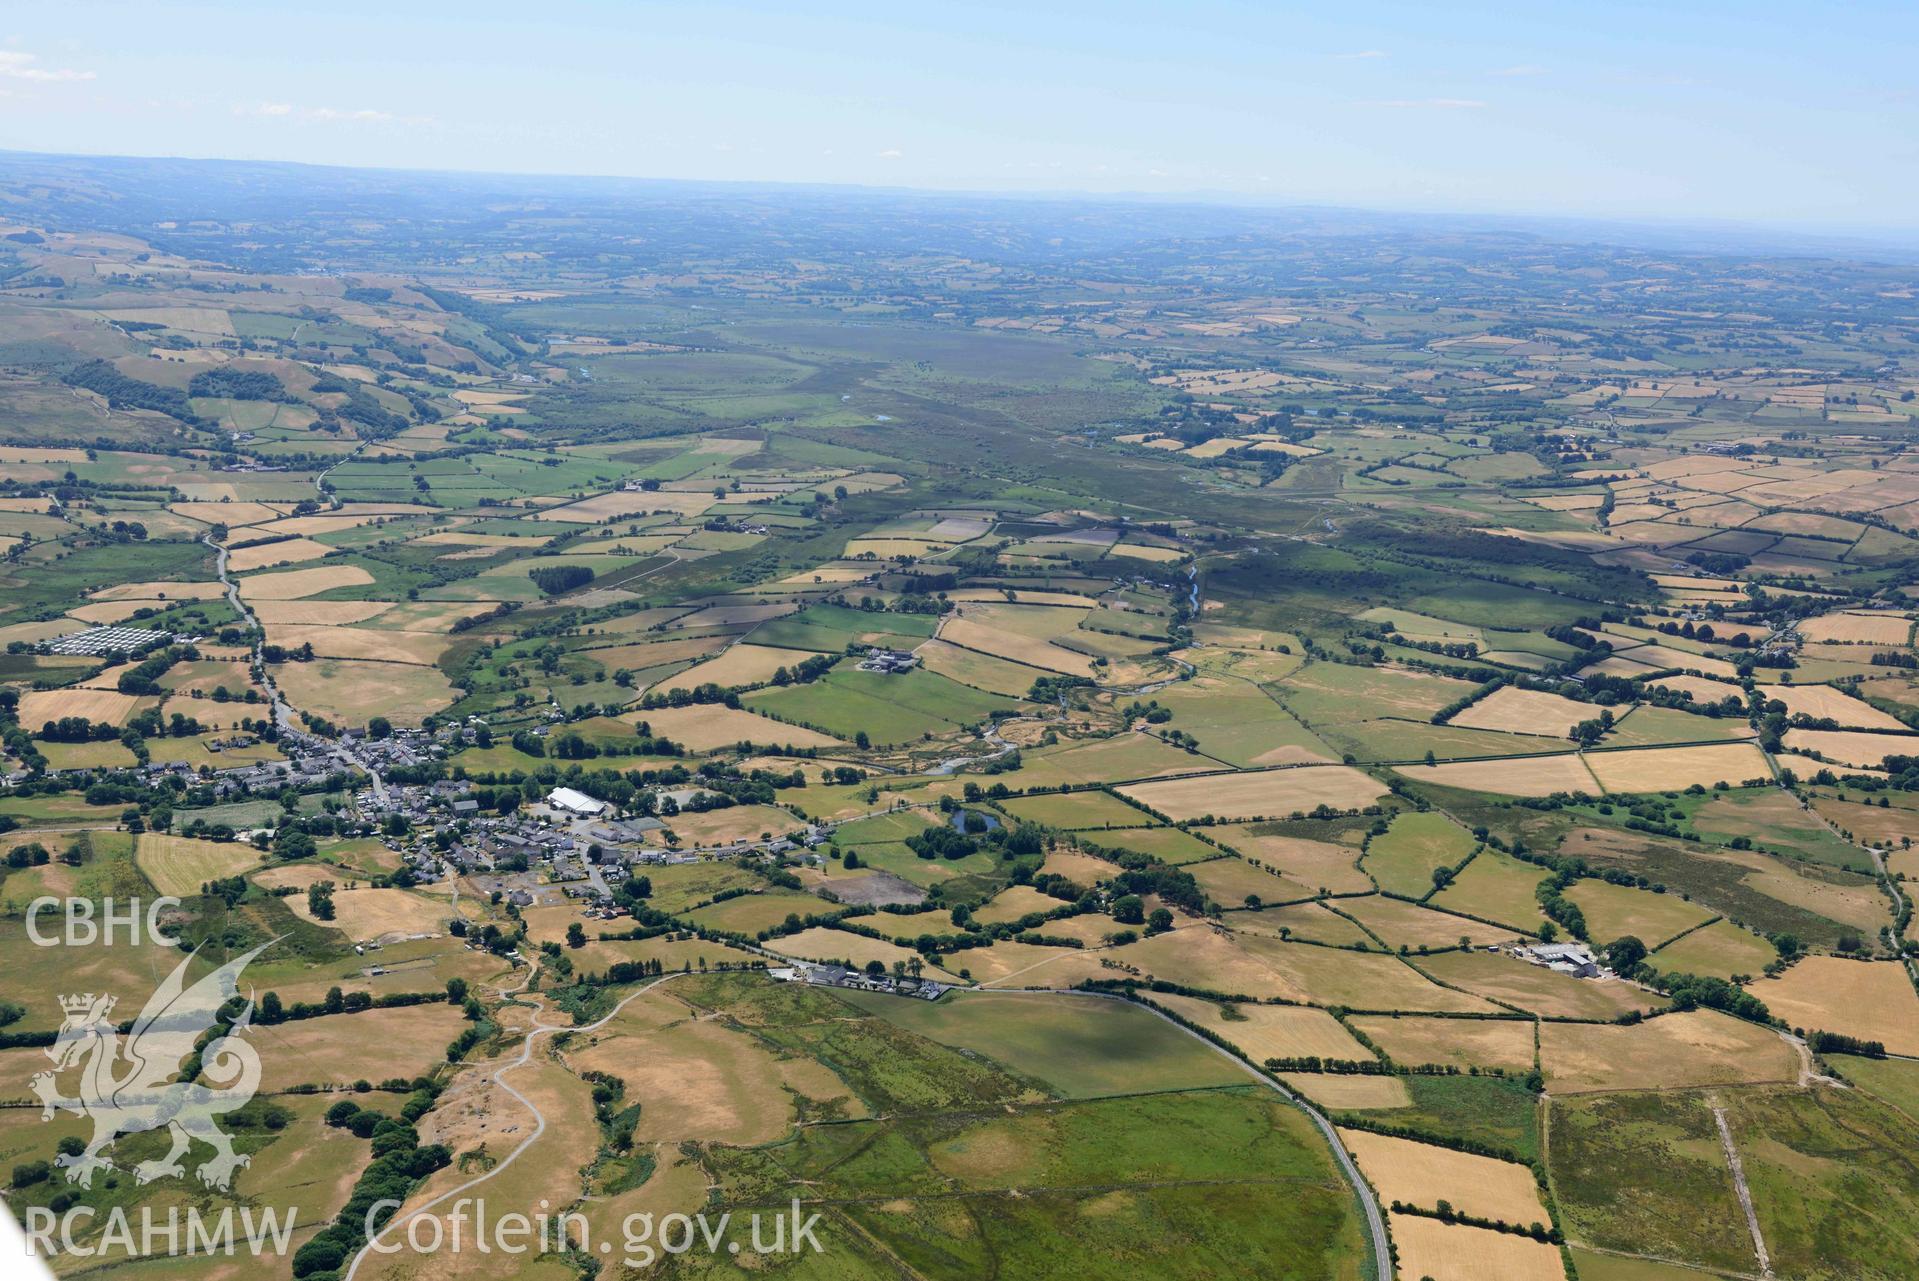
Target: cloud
(891, 153)
(1523, 69)
(326, 115)
(1363, 53)
(1426, 104)
(365, 115)
(15, 65)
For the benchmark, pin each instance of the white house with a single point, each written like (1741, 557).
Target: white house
(572, 802)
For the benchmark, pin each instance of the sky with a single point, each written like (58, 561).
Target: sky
(1697, 111)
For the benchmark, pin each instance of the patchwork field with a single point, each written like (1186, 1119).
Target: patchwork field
(179, 865)
(1303, 607)
(1421, 1175)
(1872, 1000)
(1677, 1051)
(1264, 794)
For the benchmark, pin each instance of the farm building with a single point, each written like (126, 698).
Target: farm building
(572, 802)
(889, 661)
(1567, 958)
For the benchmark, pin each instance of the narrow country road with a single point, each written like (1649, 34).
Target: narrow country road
(1375, 1221)
(282, 712)
(1739, 1186)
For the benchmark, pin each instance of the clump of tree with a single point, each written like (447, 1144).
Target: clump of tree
(554, 580)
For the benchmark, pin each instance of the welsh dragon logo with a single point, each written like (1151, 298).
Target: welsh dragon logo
(127, 1087)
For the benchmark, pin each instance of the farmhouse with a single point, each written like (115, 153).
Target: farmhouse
(1566, 958)
(572, 802)
(840, 976)
(891, 662)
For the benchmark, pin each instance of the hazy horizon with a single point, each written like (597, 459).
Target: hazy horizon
(1719, 114)
(1819, 239)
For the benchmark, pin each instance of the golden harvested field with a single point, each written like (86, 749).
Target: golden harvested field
(1024, 964)
(423, 648)
(613, 506)
(732, 615)
(1012, 903)
(1872, 1000)
(1122, 756)
(1415, 1040)
(301, 875)
(180, 865)
(1259, 793)
(822, 943)
(42, 705)
(1872, 825)
(1525, 711)
(159, 591)
(1011, 645)
(1858, 629)
(477, 1114)
(1658, 769)
(1423, 1174)
(318, 613)
(1534, 988)
(734, 823)
(1142, 551)
(1405, 924)
(1340, 1091)
(334, 1050)
(1325, 976)
(374, 914)
(1455, 1252)
(1312, 865)
(741, 665)
(330, 523)
(292, 584)
(111, 611)
(426, 615)
(1823, 702)
(711, 727)
(343, 690)
(704, 1080)
(1527, 776)
(1852, 747)
(232, 515)
(981, 671)
(640, 656)
(1653, 655)
(1699, 1047)
(290, 552)
(1262, 1032)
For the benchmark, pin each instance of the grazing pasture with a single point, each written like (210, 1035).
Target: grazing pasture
(1403, 859)
(180, 865)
